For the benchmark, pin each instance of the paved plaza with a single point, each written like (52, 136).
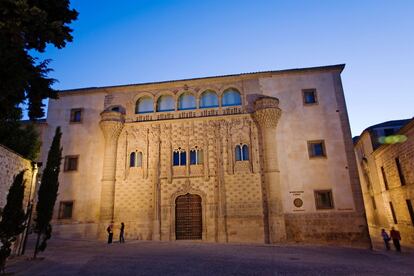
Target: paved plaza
(72, 257)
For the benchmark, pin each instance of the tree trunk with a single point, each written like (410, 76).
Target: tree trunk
(37, 245)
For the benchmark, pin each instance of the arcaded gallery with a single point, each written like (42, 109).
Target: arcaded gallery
(262, 157)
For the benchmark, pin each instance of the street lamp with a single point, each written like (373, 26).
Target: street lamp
(36, 177)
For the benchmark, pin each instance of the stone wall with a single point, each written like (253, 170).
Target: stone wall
(397, 193)
(240, 182)
(348, 229)
(12, 164)
(242, 201)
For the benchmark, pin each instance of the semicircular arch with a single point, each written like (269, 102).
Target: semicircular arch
(186, 101)
(209, 99)
(231, 96)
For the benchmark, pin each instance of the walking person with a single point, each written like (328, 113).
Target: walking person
(395, 236)
(110, 233)
(386, 239)
(121, 233)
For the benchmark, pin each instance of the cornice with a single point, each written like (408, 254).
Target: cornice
(200, 81)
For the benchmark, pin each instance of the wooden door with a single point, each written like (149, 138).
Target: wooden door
(188, 217)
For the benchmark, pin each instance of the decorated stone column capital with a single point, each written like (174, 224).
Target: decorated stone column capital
(267, 112)
(111, 124)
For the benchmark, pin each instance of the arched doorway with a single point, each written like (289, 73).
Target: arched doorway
(188, 217)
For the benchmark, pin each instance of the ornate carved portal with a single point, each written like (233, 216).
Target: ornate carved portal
(188, 217)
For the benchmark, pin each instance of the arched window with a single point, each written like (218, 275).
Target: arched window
(116, 108)
(186, 101)
(144, 105)
(132, 159)
(209, 99)
(231, 97)
(196, 156)
(139, 159)
(165, 103)
(245, 152)
(238, 153)
(241, 152)
(179, 157)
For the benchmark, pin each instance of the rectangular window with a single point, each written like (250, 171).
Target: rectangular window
(176, 158)
(65, 209)
(196, 157)
(384, 178)
(400, 172)
(309, 96)
(71, 163)
(183, 158)
(316, 148)
(76, 115)
(410, 210)
(393, 213)
(193, 157)
(323, 199)
(179, 158)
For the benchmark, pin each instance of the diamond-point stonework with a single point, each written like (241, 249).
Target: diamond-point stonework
(267, 112)
(111, 124)
(109, 115)
(226, 153)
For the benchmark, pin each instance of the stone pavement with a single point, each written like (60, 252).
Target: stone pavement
(77, 257)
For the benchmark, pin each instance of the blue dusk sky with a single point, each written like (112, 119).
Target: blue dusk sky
(123, 42)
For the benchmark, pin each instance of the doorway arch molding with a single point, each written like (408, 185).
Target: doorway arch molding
(187, 188)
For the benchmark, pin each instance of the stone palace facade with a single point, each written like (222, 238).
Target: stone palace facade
(260, 157)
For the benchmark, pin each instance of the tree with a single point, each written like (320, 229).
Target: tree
(22, 138)
(47, 193)
(26, 27)
(13, 218)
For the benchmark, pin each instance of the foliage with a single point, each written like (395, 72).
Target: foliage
(29, 25)
(23, 139)
(26, 27)
(13, 217)
(48, 190)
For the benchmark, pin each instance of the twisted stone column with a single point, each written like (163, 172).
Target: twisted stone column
(267, 114)
(111, 124)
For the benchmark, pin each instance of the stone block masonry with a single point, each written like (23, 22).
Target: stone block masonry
(11, 164)
(220, 159)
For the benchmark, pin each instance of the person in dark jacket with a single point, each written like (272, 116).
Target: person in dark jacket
(395, 236)
(110, 233)
(386, 239)
(121, 233)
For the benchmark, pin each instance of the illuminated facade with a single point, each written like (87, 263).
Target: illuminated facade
(261, 157)
(385, 158)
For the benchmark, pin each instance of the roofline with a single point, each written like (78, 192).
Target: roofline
(409, 121)
(339, 67)
(37, 121)
(14, 152)
(407, 126)
(402, 130)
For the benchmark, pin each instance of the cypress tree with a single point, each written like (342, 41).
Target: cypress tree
(13, 218)
(48, 192)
